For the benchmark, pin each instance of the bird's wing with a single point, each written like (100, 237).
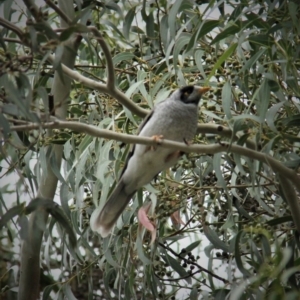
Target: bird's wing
(131, 152)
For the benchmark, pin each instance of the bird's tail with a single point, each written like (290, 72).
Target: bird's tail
(102, 221)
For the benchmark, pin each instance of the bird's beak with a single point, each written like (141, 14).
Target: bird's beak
(203, 90)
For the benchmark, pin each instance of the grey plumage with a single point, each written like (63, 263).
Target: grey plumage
(175, 119)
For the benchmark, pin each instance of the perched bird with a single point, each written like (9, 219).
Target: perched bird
(174, 119)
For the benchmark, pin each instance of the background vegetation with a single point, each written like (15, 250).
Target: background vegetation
(77, 77)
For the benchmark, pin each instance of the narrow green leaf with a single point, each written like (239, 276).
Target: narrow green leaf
(293, 12)
(207, 27)
(230, 31)
(238, 257)
(122, 57)
(179, 45)
(172, 17)
(114, 6)
(263, 97)
(192, 246)
(260, 39)
(164, 31)
(214, 239)
(226, 100)
(61, 218)
(68, 292)
(248, 65)
(46, 292)
(280, 220)
(221, 59)
(271, 115)
(128, 21)
(140, 251)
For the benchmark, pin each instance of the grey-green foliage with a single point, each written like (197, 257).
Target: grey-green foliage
(249, 55)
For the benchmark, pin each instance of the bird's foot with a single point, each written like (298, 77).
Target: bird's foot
(157, 139)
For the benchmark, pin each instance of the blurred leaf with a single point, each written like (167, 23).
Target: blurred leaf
(176, 7)
(11, 213)
(7, 9)
(271, 115)
(220, 294)
(293, 10)
(226, 100)
(238, 257)
(280, 220)
(114, 6)
(194, 294)
(137, 29)
(229, 31)
(192, 246)
(122, 57)
(214, 239)
(77, 28)
(58, 56)
(68, 292)
(175, 265)
(221, 60)
(4, 126)
(260, 39)
(44, 28)
(179, 45)
(59, 216)
(252, 60)
(205, 27)
(47, 291)
(263, 97)
(128, 21)
(292, 121)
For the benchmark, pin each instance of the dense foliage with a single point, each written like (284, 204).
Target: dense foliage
(238, 195)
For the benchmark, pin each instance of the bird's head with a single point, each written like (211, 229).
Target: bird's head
(190, 94)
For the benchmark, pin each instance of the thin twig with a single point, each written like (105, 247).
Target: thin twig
(12, 27)
(158, 23)
(110, 66)
(189, 261)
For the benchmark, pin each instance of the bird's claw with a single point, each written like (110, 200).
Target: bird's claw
(157, 138)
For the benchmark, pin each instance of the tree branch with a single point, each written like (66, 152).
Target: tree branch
(110, 66)
(12, 27)
(276, 165)
(115, 93)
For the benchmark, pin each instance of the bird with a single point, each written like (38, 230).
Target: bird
(174, 118)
